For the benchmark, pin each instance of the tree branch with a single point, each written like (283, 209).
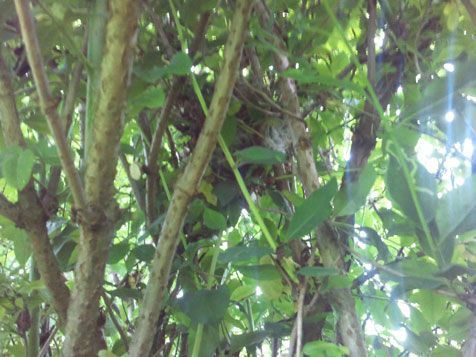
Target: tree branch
(47, 103)
(29, 212)
(82, 333)
(189, 182)
(10, 211)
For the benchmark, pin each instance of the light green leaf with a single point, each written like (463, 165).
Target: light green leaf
(456, 213)
(17, 166)
(324, 348)
(242, 292)
(260, 155)
(213, 219)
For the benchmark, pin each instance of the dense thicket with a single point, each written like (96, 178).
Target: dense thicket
(237, 177)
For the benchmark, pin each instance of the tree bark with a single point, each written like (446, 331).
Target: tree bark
(97, 221)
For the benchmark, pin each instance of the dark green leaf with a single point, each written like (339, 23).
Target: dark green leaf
(180, 64)
(144, 252)
(243, 253)
(318, 272)
(126, 293)
(238, 342)
(205, 306)
(260, 272)
(312, 212)
(117, 252)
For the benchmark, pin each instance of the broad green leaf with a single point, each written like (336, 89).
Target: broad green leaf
(17, 166)
(432, 305)
(118, 252)
(353, 195)
(205, 306)
(424, 184)
(209, 341)
(323, 348)
(126, 293)
(260, 155)
(260, 272)
(144, 252)
(180, 64)
(213, 219)
(412, 274)
(456, 212)
(318, 272)
(21, 242)
(242, 253)
(242, 292)
(151, 98)
(312, 212)
(249, 339)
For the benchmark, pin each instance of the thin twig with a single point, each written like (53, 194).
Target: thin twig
(108, 303)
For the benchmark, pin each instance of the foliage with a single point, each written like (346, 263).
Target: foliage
(391, 135)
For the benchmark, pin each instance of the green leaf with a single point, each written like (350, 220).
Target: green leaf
(144, 252)
(180, 64)
(205, 306)
(318, 272)
(371, 237)
(324, 348)
(260, 272)
(456, 212)
(17, 166)
(412, 274)
(423, 183)
(249, 339)
(243, 253)
(126, 293)
(21, 242)
(260, 155)
(312, 212)
(243, 292)
(213, 219)
(117, 252)
(353, 195)
(152, 98)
